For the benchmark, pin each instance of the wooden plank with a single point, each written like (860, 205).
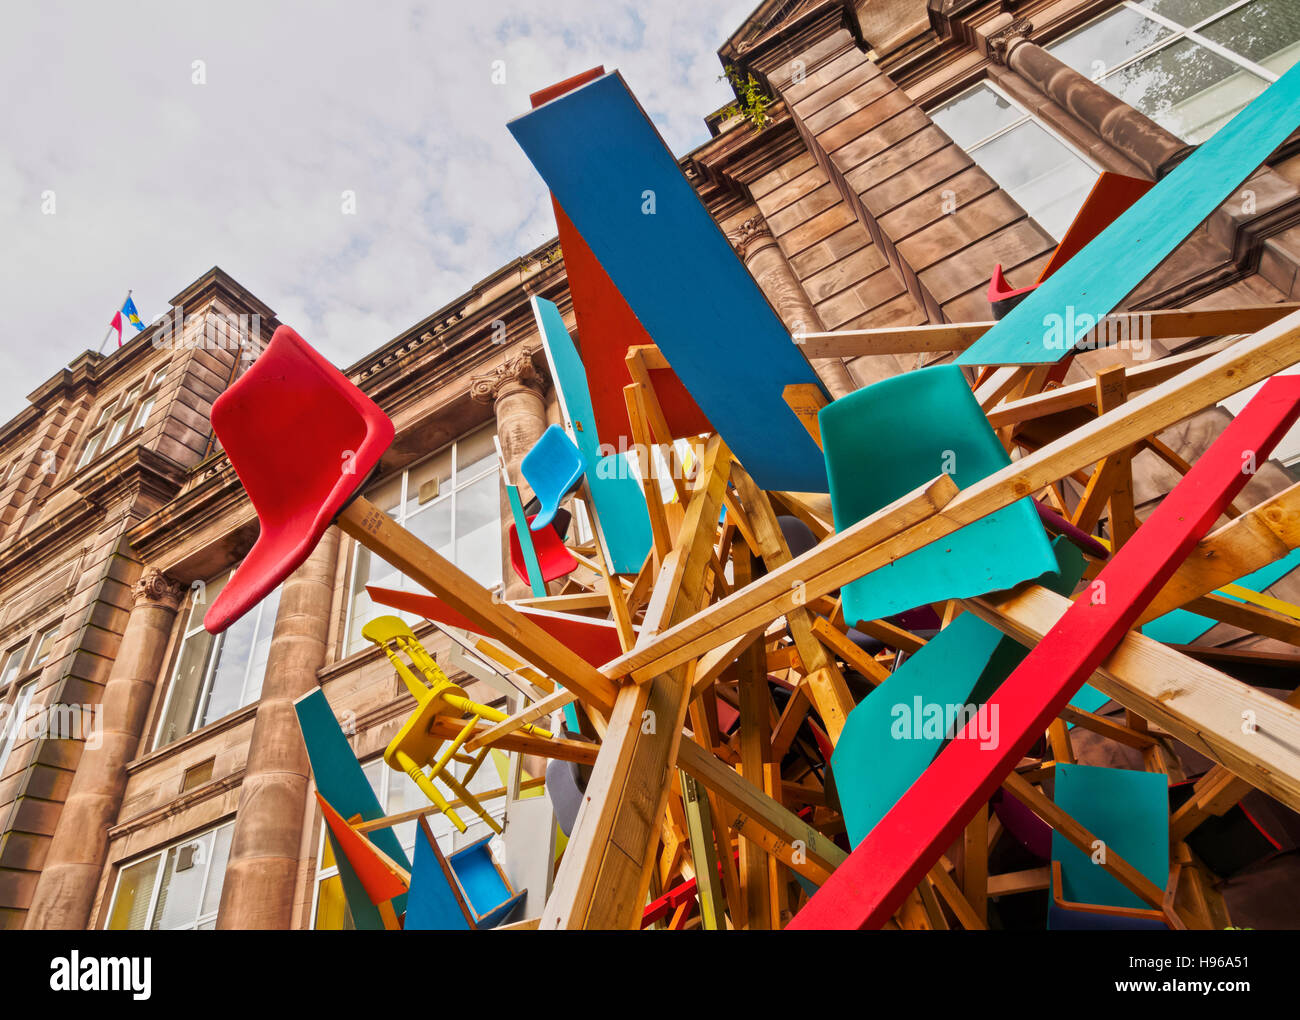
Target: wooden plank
(605, 875)
(894, 530)
(908, 840)
(806, 400)
(699, 825)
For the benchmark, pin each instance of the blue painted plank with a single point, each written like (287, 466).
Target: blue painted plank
(431, 904)
(1097, 279)
(622, 519)
(620, 185)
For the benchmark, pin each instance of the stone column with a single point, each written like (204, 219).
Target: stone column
(762, 255)
(66, 890)
(263, 868)
(516, 390)
(1146, 143)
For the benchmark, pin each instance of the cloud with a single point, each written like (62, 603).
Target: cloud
(155, 178)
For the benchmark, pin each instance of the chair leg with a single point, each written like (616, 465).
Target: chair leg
(471, 802)
(412, 769)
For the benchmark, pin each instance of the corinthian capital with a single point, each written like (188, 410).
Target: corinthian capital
(517, 371)
(1000, 42)
(155, 586)
(750, 236)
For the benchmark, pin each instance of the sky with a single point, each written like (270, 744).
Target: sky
(146, 142)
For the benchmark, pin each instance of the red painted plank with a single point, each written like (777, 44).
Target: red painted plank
(867, 888)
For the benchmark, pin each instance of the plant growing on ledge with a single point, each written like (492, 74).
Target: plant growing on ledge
(751, 101)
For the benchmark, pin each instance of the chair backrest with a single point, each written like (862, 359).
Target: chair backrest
(553, 556)
(882, 442)
(302, 439)
(1129, 812)
(553, 467)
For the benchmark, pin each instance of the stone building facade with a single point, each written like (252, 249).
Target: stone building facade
(158, 778)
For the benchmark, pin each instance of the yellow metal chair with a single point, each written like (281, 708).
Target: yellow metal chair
(416, 746)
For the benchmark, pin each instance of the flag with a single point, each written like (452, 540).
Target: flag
(117, 325)
(132, 316)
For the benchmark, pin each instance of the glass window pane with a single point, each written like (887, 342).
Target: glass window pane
(13, 663)
(44, 647)
(217, 872)
(204, 594)
(117, 430)
(404, 795)
(975, 115)
(370, 569)
(262, 649)
(478, 530)
(134, 890)
(1185, 12)
(1266, 31)
(432, 525)
(142, 415)
(14, 722)
(92, 448)
(182, 884)
(186, 687)
(1186, 88)
(1108, 41)
(1045, 177)
(474, 455)
(332, 907)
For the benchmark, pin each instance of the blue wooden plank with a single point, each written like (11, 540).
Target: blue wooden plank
(620, 185)
(621, 515)
(1045, 326)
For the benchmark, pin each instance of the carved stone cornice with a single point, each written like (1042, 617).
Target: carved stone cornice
(1000, 42)
(751, 235)
(159, 589)
(519, 371)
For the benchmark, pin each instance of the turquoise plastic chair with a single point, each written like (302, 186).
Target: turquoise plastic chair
(1129, 812)
(884, 441)
(889, 740)
(554, 468)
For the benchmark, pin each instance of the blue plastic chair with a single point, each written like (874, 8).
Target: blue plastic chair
(554, 468)
(884, 441)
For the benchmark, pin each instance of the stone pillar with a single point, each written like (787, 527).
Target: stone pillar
(762, 255)
(1146, 143)
(515, 389)
(263, 868)
(66, 890)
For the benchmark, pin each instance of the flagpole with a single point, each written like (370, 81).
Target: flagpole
(110, 327)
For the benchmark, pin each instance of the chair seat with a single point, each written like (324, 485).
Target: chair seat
(553, 555)
(554, 468)
(298, 487)
(883, 442)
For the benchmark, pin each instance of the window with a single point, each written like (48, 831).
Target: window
(129, 415)
(397, 793)
(32, 653)
(452, 501)
(187, 894)
(1189, 65)
(12, 722)
(43, 647)
(215, 675)
(1047, 177)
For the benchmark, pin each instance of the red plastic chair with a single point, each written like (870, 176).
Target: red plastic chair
(553, 555)
(302, 439)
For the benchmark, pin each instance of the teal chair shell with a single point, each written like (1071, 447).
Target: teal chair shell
(893, 734)
(554, 468)
(1129, 812)
(888, 439)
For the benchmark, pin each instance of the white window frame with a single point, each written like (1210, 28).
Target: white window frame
(160, 853)
(16, 717)
(454, 485)
(209, 670)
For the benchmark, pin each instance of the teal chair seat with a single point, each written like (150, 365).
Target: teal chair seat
(884, 441)
(1129, 812)
(554, 468)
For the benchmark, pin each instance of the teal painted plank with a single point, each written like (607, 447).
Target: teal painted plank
(624, 192)
(525, 536)
(1182, 627)
(1097, 279)
(341, 781)
(622, 519)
